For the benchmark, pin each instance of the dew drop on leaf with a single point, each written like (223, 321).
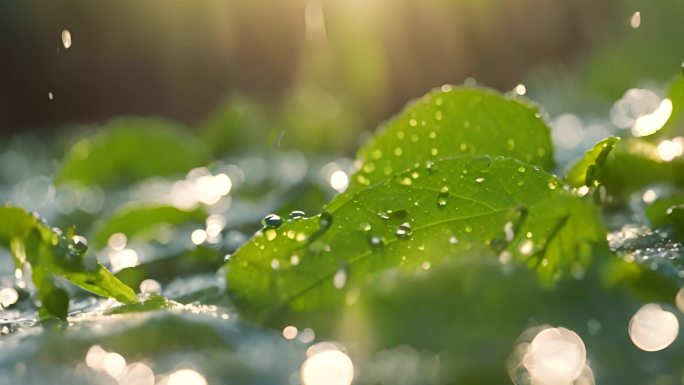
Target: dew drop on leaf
(340, 278)
(297, 214)
(78, 244)
(404, 230)
(272, 220)
(375, 241)
(326, 220)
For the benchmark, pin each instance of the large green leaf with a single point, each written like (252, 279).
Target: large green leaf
(455, 121)
(589, 169)
(130, 149)
(450, 207)
(132, 221)
(52, 253)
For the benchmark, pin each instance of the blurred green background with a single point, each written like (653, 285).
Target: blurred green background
(321, 71)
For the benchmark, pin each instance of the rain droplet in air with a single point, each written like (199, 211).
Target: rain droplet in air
(66, 38)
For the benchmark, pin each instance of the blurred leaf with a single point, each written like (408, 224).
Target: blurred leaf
(131, 149)
(133, 221)
(237, 123)
(657, 211)
(635, 163)
(675, 215)
(455, 121)
(416, 217)
(675, 124)
(588, 170)
(50, 254)
(54, 300)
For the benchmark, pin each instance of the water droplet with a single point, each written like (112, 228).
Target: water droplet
(431, 166)
(432, 135)
(413, 122)
(479, 180)
(326, 220)
(468, 229)
(272, 220)
(526, 247)
(376, 154)
(438, 115)
(453, 240)
(510, 144)
(270, 234)
(375, 241)
(78, 244)
(340, 278)
(404, 230)
(406, 181)
(400, 135)
(366, 227)
(508, 231)
(66, 38)
(441, 201)
(227, 257)
(294, 260)
(275, 264)
(398, 151)
(521, 169)
(362, 180)
(297, 214)
(434, 151)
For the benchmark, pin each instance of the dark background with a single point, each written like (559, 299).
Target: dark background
(180, 59)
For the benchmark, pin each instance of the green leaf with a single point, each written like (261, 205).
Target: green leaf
(131, 149)
(657, 211)
(675, 215)
(133, 221)
(238, 123)
(634, 163)
(589, 169)
(52, 253)
(454, 206)
(455, 121)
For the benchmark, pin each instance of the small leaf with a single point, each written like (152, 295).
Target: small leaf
(589, 169)
(416, 217)
(454, 121)
(132, 221)
(51, 254)
(131, 149)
